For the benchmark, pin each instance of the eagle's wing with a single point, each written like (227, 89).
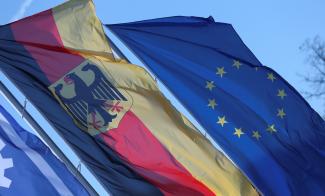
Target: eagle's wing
(79, 111)
(102, 88)
(76, 106)
(105, 90)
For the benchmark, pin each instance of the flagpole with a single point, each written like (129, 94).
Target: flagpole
(5, 91)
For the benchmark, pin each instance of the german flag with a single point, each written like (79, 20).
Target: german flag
(111, 112)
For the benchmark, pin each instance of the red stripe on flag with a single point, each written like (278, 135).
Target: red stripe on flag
(146, 155)
(41, 38)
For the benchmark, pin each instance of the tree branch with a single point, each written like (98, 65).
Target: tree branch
(316, 58)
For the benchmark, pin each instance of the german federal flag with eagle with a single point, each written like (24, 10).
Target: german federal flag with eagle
(109, 111)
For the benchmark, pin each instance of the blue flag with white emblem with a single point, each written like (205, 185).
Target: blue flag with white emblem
(258, 119)
(27, 165)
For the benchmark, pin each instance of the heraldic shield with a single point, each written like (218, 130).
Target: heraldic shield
(92, 98)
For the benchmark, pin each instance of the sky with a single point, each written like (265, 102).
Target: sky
(273, 30)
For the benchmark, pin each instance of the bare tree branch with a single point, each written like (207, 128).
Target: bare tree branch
(315, 50)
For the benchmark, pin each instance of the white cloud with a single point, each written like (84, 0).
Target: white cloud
(23, 8)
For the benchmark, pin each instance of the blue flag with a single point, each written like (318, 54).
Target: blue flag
(258, 119)
(27, 165)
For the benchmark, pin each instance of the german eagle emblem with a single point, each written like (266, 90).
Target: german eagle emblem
(91, 99)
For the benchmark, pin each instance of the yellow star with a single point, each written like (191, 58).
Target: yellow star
(281, 93)
(281, 113)
(237, 64)
(271, 128)
(222, 120)
(212, 103)
(256, 135)
(271, 77)
(210, 85)
(238, 132)
(221, 71)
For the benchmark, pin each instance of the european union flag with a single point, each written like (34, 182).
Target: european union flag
(259, 120)
(28, 167)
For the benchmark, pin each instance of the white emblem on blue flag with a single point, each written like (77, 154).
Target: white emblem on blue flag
(34, 156)
(5, 163)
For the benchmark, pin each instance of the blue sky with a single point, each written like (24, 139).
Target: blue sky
(273, 30)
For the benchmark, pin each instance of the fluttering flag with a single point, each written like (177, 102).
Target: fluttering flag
(258, 119)
(27, 165)
(110, 112)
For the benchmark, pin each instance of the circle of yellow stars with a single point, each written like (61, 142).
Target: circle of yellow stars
(222, 121)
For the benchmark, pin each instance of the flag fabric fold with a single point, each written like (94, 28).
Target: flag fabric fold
(258, 119)
(111, 112)
(28, 165)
